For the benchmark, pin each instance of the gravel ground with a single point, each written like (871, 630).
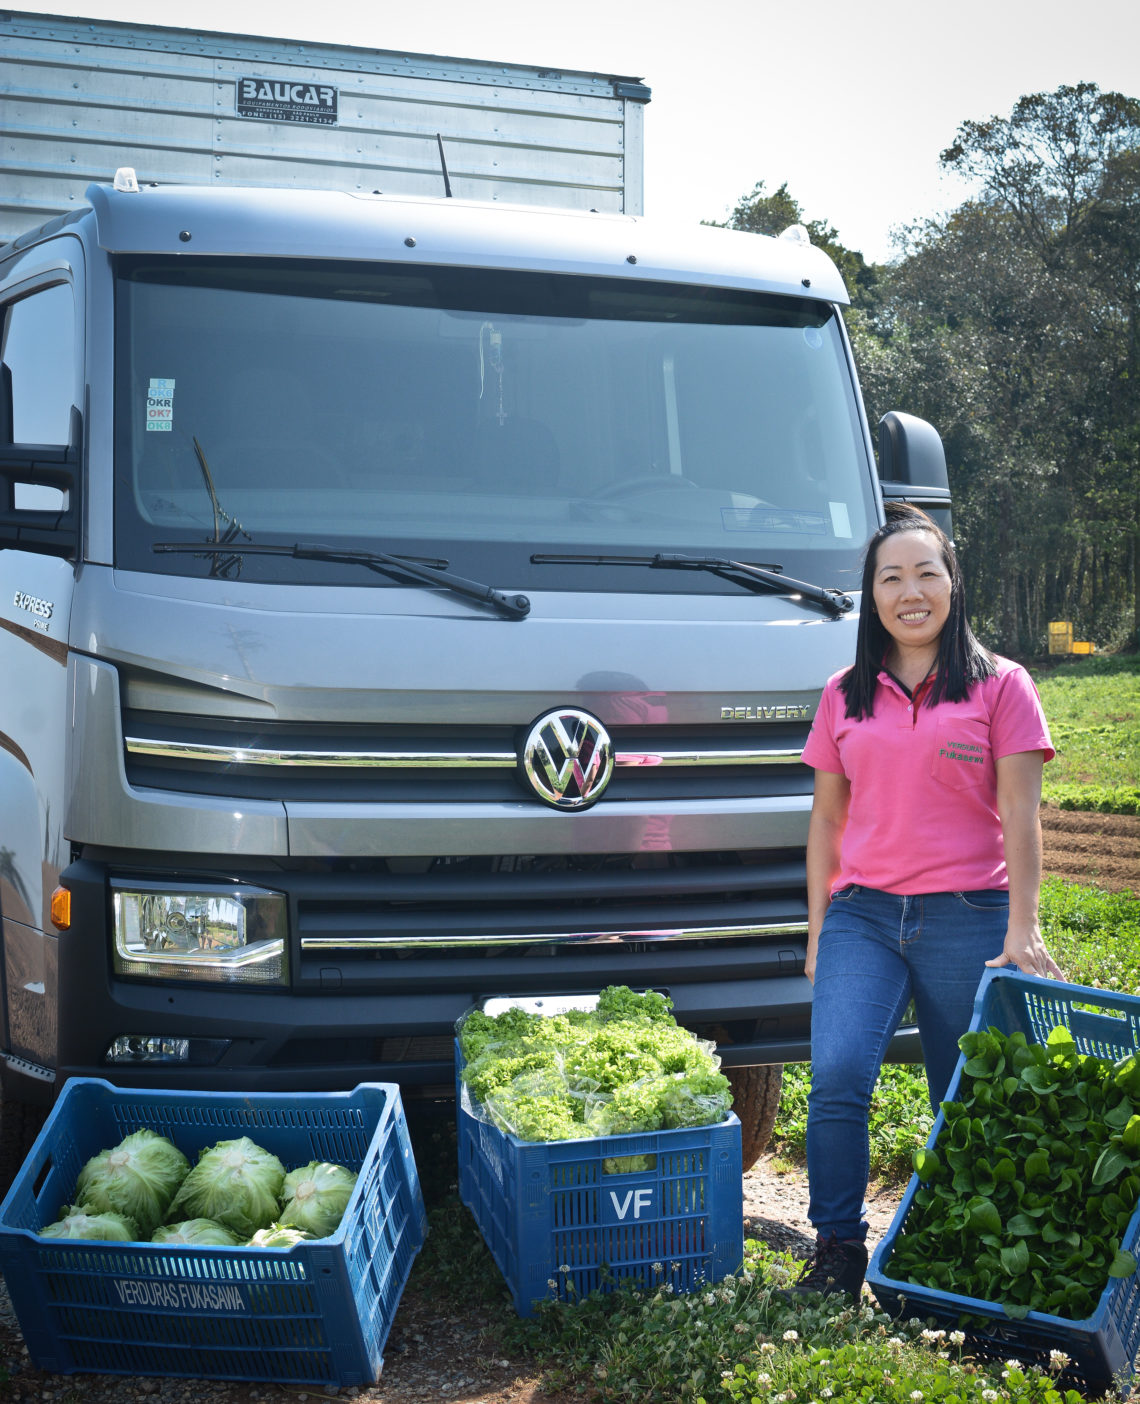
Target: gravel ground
(426, 1360)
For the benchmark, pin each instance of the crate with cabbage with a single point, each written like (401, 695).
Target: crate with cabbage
(622, 1066)
(238, 1193)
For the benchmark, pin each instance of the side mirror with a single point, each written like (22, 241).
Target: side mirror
(51, 531)
(912, 466)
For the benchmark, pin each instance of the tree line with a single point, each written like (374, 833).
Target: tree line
(1011, 324)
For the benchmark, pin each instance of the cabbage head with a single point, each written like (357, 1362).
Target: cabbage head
(202, 1233)
(316, 1196)
(235, 1183)
(85, 1222)
(138, 1178)
(278, 1236)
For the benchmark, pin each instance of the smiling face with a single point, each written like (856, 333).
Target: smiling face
(912, 590)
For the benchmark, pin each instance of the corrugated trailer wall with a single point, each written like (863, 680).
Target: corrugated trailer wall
(79, 98)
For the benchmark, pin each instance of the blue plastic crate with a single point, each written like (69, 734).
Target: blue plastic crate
(318, 1313)
(659, 1206)
(1103, 1347)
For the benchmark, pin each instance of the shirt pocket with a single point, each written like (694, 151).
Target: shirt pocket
(961, 759)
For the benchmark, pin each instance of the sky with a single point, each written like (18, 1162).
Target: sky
(849, 103)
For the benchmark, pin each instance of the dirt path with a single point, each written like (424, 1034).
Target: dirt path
(1092, 848)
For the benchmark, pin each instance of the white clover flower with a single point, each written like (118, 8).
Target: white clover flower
(826, 1392)
(747, 1278)
(658, 1267)
(740, 1328)
(989, 1395)
(895, 1343)
(550, 1282)
(710, 1299)
(725, 1296)
(769, 1348)
(763, 1380)
(916, 1395)
(726, 1374)
(791, 1335)
(957, 1338)
(1013, 1364)
(565, 1267)
(1058, 1360)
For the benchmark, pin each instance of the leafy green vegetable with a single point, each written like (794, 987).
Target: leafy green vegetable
(235, 1183)
(278, 1236)
(137, 1178)
(1032, 1183)
(86, 1222)
(199, 1232)
(315, 1197)
(623, 1067)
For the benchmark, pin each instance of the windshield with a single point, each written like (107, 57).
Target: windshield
(477, 418)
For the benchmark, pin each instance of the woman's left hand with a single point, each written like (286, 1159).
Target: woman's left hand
(1025, 948)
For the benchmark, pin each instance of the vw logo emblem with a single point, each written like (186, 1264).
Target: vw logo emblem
(567, 758)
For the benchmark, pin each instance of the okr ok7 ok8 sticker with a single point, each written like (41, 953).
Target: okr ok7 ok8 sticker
(159, 405)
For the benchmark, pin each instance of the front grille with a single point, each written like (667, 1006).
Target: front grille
(405, 765)
(423, 911)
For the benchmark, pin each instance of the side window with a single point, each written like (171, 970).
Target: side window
(37, 378)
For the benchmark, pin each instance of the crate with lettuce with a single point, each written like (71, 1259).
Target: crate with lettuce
(597, 1144)
(219, 1235)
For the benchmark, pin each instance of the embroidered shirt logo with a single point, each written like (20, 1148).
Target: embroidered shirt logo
(963, 751)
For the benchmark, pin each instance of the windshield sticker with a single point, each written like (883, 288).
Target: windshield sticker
(814, 337)
(773, 519)
(840, 520)
(159, 406)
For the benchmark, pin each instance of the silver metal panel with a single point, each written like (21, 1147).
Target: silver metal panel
(390, 830)
(81, 98)
(103, 809)
(467, 234)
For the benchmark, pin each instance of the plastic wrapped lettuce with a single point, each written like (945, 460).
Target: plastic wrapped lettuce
(82, 1221)
(625, 1066)
(137, 1178)
(200, 1233)
(279, 1236)
(235, 1183)
(315, 1197)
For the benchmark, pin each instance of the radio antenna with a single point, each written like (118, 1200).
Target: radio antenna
(443, 163)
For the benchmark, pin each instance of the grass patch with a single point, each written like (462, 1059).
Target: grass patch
(738, 1342)
(1093, 707)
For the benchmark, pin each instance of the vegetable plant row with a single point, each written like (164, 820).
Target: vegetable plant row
(1034, 1177)
(237, 1193)
(624, 1066)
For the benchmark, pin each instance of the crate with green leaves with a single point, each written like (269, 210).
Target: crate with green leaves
(596, 1145)
(1020, 1224)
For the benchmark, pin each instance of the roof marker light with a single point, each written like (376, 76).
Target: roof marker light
(796, 234)
(126, 180)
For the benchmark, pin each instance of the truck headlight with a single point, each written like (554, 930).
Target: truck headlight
(223, 934)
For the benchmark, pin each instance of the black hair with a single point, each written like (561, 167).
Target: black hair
(962, 661)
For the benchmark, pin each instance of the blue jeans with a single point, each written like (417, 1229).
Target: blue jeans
(876, 951)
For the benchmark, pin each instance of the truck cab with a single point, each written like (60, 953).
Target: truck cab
(413, 601)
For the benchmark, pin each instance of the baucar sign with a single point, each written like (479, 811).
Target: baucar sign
(278, 100)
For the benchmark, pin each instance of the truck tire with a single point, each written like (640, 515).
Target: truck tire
(755, 1100)
(20, 1124)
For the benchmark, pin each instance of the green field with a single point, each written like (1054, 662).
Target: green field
(1093, 708)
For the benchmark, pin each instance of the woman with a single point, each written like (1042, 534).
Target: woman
(923, 857)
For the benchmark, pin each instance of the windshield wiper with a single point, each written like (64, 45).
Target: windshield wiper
(513, 606)
(771, 577)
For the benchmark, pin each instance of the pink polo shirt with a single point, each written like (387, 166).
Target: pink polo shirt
(923, 814)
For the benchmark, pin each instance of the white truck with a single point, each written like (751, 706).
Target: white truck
(407, 597)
